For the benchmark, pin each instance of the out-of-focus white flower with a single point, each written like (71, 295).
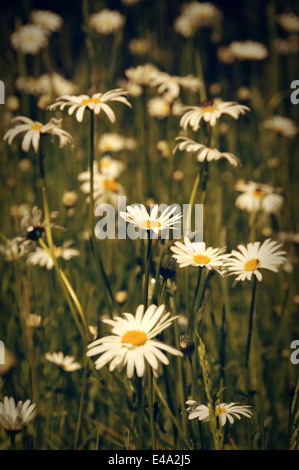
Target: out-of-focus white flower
(258, 197)
(42, 258)
(48, 20)
(33, 131)
(170, 86)
(159, 107)
(224, 411)
(203, 152)
(67, 363)
(114, 142)
(110, 167)
(248, 50)
(281, 125)
(289, 22)
(139, 46)
(13, 249)
(196, 15)
(51, 85)
(96, 103)
(287, 46)
(141, 75)
(106, 21)
(29, 39)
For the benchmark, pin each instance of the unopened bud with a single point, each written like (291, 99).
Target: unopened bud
(187, 345)
(168, 269)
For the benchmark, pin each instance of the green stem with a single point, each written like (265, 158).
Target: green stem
(164, 282)
(147, 268)
(81, 404)
(151, 405)
(192, 311)
(250, 326)
(191, 203)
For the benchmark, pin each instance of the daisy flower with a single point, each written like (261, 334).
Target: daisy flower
(110, 167)
(50, 21)
(197, 254)
(96, 103)
(195, 15)
(13, 249)
(139, 217)
(141, 75)
(204, 152)
(248, 50)
(67, 363)
(33, 130)
(14, 418)
(42, 258)
(170, 85)
(106, 21)
(105, 187)
(289, 22)
(281, 125)
(29, 39)
(132, 342)
(114, 142)
(210, 112)
(258, 197)
(224, 411)
(159, 107)
(248, 261)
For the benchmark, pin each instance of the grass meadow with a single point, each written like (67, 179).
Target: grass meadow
(62, 309)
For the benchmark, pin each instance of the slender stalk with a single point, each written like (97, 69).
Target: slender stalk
(140, 412)
(192, 311)
(250, 326)
(164, 282)
(151, 405)
(81, 403)
(147, 268)
(191, 203)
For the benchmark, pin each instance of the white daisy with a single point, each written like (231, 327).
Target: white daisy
(114, 142)
(33, 130)
(203, 152)
(195, 15)
(133, 343)
(48, 20)
(29, 39)
(14, 418)
(106, 189)
(110, 167)
(42, 258)
(141, 75)
(248, 50)
(138, 215)
(159, 107)
(13, 249)
(106, 21)
(97, 103)
(170, 85)
(224, 411)
(251, 258)
(210, 112)
(281, 125)
(67, 363)
(197, 254)
(258, 197)
(289, 22)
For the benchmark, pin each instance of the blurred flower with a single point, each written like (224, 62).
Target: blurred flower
(203, 152)
(139, 46)
(34, 320)
(13, 249)
(105, 187)
(187, 346)
(142, 74)
(289, 22)
(130, 2)
(32, 228)
(29, 39)
(131, 87)
(67, 363)
(106, 21)
(69, 199)
(163, 147)
(14, 418)
(159, 107)
(110, 167)
(42, 258)
(12, 103)
(139, 216)
(121, 296)
(33, 131)
(96, 103)
(291, 237)
(287, 46)
(195, 15)
(210, 112)
(50, 21)
(258, 197)
(224, 411)
(170, 85)
(248, 50)
(132, 341)
(281, 125)
(47, 84)
(255, 256)
(198, 255)
(224, 55)
(113, 142)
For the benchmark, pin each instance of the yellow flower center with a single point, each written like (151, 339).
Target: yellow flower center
(36, 126)
(258, 193)
(135, 337)
(31, 38)
(252, 264)
(57, 250)
(209, 109)
(91, 100)
(220, 411)
(111, 185)
(148, 224)
(201, 259)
